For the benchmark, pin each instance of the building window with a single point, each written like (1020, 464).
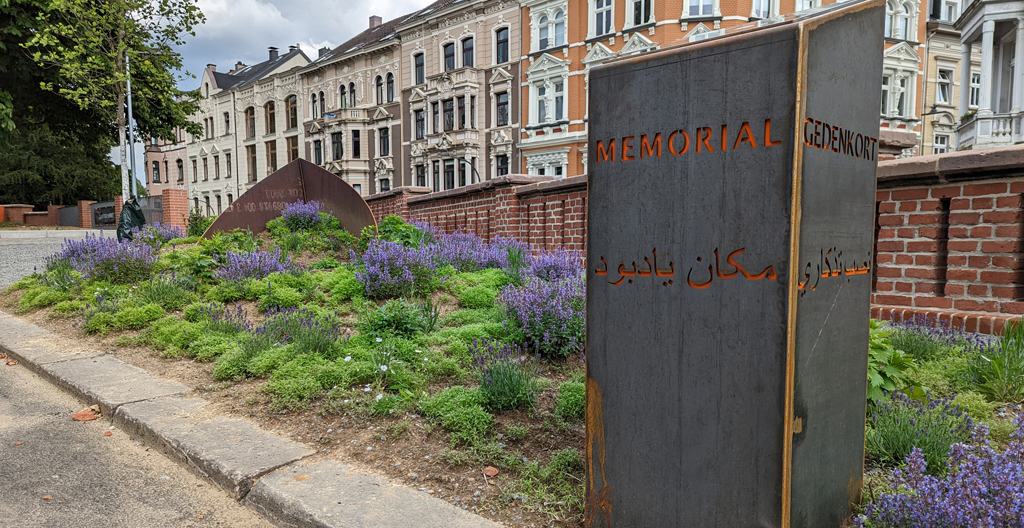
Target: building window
(271, 156)
(313, 106)
(890, 19)
(544, 33)
(904, 22)
(357, 188)
(391, 87)
(461, 104)
(250, 123)
(462, 173)
(559, 28)
(602, 17)
(501, 47)
(950, 11)
(421, 176)
(420, 75)
(227, 123)
(501, 163)
(318, 151)
(558, 171)
(230, 200)
(342, 99)
(700, 8)
(379, 83)
(449, 115)
(195, 204)
(216, 167)
(385, 141)
(270, 117)
(420, 125)
(292, 144)
(803, 5)
(385, 184)
(181, 171)
(885, 95)
(352, 94)
(449, 56)
(195, 172)
(467, 51)
(945, 82)
(437, 176)
(227, 163)
(559, 98)
(250, 161)
(501, 108)
(975, 88)
(472, 111)
(449, 174)
(323, 105)
(206, 169)
(291, 108)
(208, 208)
(218, 204)
(542, 104)
(941, 144)
(355, 144)
(337, 146)
(642, 11)
(436, 117)
(762, 8)
(901, 98)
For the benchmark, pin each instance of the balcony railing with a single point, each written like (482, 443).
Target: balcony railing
(992, 130)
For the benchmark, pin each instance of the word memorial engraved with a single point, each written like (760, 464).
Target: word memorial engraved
(731, 211)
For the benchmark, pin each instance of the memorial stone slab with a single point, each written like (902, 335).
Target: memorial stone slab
(731, 212)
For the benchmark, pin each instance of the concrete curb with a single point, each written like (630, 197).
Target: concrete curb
(260, 469)
(47, 234)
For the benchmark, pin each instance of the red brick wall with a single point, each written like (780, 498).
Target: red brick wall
(85, 213)
(16, 213)
(175, 204)
(118, 206)
(537, 209)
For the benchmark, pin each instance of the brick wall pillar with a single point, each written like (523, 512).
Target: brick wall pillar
(85, 213)
(175, 203)
(53, 215)
(118, 206)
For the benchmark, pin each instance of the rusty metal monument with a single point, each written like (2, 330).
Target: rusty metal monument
(731, 211)
(298, 180)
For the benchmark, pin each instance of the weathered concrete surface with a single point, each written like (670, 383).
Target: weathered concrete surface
(229, 451)
(110, 382)
(32, 345)
(93, 480)
(330, 495)
(954, 166)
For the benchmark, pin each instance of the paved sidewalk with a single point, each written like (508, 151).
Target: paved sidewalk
(277, 477)
(22, 252)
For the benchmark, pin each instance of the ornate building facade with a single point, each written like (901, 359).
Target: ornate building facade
(251, 119)
(165, 165)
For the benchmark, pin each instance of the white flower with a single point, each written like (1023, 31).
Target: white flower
(383, 368)
(380, 397)
(379, 340)
(425, 359)
(346, 401)
(348, 358)
(419, 351)
(366, 389)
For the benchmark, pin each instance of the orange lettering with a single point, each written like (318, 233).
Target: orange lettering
(649, 147)
(626, 147)
(725, 138)
(701, 138)
(768, 134)
(808, 140)
(602, 154)
(686, 142)
(745, 135)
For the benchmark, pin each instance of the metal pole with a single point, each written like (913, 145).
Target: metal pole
(477, 173)
(131, 125)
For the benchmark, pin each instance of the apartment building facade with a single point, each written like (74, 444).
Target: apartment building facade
(165, 164)
(251, 118)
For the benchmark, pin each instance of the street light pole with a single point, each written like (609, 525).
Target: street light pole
(447, 155)
(131, 126)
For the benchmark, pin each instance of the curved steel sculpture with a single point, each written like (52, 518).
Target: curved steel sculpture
(298, 180)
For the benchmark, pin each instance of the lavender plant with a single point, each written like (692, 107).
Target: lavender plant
(462, 251)
(981, 487)
(157, 233)
(310, 332)
(301, 215)
(104, 257)
(390, 269)
(557, 265)
(900, 425)
(546, 317)
(927, 338)
(256, 264)
(505, 374)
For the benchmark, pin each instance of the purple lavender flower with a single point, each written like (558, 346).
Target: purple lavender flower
(256, 264)
(547, 317)
(302, 215)
(390, 269)
(557, 265)
(104, 257)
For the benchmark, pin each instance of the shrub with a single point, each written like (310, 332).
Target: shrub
(255, 264)
(39, 296)
(505, 376)
(302, 215)
(394, 229)
(106, 258)
(342, 284)
(547, 317)
(1000, 372)
(202, 311)
(280, 298)
(557, 265)
(67, 308)
(197, 224)
(396, 317)
(927, 338)
(168, 291)
(901, 424)
(138, 317)
(477, 297)
(325, 263)
(393, 270)
(570, 403)
(99, 318)
(460, 411)
(981, 487)
(888, 368)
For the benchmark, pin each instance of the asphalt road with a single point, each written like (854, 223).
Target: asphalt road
(18, 257)
(92, 480)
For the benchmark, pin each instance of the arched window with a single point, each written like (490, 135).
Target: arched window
(343, 103)
(206, 89)
(323, 104)
(890, 15)
(545, 42)
(181, 170)
(291, 108)
(905, 22)
(559, 28)
(270, 117)
(156, 172)
(352, 93)
(391, 87)
(380, 89)
(250, 122)
(313, 106)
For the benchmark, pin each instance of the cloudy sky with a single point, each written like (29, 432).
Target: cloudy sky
(242, 30)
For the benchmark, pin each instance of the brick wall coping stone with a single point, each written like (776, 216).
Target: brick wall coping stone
(502, 181)
(996, 162)
(395, 191)
(17, 205)
(575, 183)
(981, 322)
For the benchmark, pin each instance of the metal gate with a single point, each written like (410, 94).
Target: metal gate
(152, 208)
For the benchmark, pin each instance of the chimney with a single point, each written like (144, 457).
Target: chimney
(323, 51)
(211, 67)
(273, 53)
(293, 47)
(374, 21)
(239, 66)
